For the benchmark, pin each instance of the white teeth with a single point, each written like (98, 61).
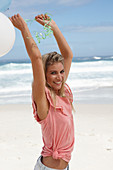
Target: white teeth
(58, 82)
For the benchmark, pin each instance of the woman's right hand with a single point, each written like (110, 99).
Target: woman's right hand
(18, 22)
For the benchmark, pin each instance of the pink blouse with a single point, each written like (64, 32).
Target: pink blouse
(57, 127)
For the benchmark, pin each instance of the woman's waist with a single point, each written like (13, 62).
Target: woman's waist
(50, 162)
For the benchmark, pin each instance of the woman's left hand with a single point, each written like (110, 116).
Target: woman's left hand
(44, 19)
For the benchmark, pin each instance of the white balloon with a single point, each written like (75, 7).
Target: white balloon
(7, 35)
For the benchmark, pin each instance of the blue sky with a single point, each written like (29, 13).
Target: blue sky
(86, 24)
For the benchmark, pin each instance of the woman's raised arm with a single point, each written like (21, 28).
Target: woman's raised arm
(61, 41)
(38, 87)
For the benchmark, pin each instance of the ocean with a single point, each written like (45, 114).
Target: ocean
(90, 78)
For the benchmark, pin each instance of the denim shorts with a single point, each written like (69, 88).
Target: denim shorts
(40, 166)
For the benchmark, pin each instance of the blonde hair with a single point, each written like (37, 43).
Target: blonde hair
(49, 59)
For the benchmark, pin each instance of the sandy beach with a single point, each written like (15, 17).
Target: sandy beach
(21, 143)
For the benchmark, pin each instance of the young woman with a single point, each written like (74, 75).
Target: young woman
(52, 97)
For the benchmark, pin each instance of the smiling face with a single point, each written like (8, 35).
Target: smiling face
(55, 76)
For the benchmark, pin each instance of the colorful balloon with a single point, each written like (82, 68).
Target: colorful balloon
(4, 5)
(7, 35)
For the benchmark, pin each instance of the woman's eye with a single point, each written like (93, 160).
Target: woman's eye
(53, 72)
(62, 71)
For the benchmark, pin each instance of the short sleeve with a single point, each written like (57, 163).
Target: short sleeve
(68, 92)
(35, 111)
(35, 107)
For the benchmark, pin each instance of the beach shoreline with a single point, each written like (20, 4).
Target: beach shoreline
(101, 95)
(21, 142)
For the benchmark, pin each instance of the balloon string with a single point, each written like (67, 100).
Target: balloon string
(45, 33)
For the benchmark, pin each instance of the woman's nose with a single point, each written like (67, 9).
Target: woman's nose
(59, 77)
